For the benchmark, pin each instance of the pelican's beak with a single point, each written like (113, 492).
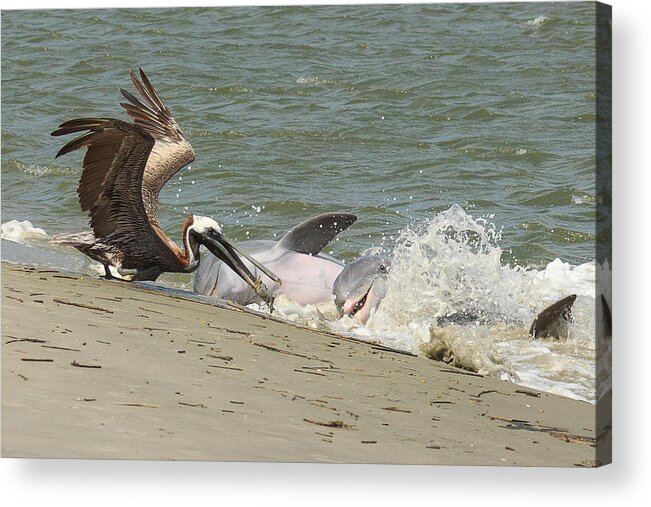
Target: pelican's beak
(228, 251)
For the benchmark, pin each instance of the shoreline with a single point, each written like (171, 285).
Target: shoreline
(102, 369)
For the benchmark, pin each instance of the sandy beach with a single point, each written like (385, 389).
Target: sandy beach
(103, 369)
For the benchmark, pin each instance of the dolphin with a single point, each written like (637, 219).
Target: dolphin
(307, 274)
(361, 286)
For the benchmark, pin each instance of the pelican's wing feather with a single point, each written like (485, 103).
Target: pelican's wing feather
(171, 150)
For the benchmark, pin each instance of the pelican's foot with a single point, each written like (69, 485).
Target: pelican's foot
(122, 275)
(127, 272)
(147, 275)
(107, 272)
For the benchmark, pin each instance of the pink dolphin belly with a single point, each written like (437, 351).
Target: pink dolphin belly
(306, 279)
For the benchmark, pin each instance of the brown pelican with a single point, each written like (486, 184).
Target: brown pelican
(125, 167)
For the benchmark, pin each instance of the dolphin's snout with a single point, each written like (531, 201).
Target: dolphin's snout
(354, 305)
(349, 305)
(361, 286)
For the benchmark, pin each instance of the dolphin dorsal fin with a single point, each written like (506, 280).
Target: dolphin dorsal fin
(553, 320)
(314, 234)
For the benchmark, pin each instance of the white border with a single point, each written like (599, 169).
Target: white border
(99, 483)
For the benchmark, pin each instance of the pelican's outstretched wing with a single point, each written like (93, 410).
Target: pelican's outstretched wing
(110, 188)
(171, 150)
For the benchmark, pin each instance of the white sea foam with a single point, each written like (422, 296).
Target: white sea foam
(21, 232)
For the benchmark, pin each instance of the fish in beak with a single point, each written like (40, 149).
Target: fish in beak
(228, 251)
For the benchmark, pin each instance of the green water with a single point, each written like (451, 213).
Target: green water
(391, 112)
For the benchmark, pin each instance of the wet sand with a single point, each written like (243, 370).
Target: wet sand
(102, 369)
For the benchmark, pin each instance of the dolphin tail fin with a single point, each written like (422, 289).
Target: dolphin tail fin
(314, 234)
(553, 320)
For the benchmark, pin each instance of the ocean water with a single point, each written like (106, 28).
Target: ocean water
(420, 119)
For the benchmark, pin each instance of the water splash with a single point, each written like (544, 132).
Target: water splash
(537, 22)
(450, 263)
(21, 232)
(39, 170)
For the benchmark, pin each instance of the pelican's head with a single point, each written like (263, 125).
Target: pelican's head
(207, 232)
(204, 225)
